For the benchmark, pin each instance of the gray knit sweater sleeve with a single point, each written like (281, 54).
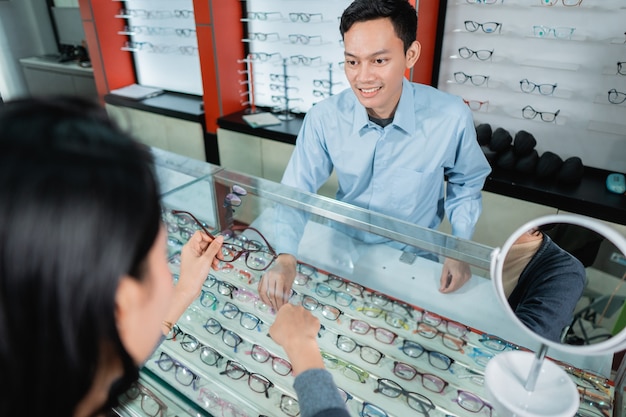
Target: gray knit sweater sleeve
(317, 392)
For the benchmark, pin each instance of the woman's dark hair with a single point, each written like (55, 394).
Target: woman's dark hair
(402, 14)
(79, 208)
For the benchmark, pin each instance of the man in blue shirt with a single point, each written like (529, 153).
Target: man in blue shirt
(392, 143)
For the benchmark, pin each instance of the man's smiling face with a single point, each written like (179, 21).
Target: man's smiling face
(375, 63)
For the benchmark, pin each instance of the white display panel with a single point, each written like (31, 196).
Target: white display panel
(162, 38)
(582, 62)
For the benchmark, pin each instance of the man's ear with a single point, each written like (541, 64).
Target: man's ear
(413, 54)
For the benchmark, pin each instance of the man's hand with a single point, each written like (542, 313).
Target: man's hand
(454, 275)
(275, 285)
(295, 329)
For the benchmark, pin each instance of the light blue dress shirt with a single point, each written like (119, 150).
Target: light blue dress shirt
(397, 170)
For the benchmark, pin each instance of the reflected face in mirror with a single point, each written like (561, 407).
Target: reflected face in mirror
(563, 282)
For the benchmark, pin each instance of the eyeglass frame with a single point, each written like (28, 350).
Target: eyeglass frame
(251, 375)
(177, 365)
(551, 3)
(273, 358)
(234, 410)
(483, 26)
(475, 52)
(324, 290)
(416, 373)
(471, 78)
(536, 87)
(271, 250)
(408, 394)
(377, 353)
(403, 324)
(457, 343)
(145, 392)
(326, 308)
(203, 348)
(614, 93)
(556, 31)
(303, 17)
(220, 284)
(244, 314)
(540, 113)
(473, 396)
(430, 353)
(224, 331)
(393, 335)
(362, 374)
(331, 278)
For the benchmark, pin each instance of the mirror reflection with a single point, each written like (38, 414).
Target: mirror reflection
(564, 282)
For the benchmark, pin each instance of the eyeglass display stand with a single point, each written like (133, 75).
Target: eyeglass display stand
(330, 79)
(250, 82)
(514, 390)
(286, 114)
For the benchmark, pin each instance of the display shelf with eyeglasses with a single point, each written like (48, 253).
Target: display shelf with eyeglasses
(558, 41)
(161, 35)
(393, 343)
(343, 345)
(307, 37)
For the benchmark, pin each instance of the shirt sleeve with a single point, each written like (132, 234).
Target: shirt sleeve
(308, 168)
(318, 395)
(465, 181)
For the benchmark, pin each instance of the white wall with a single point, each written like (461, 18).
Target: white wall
(25, 30)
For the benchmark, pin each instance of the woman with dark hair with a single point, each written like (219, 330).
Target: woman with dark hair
(85, 289)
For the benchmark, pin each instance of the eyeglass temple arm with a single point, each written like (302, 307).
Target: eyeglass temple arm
(269, 246)
(198, 222)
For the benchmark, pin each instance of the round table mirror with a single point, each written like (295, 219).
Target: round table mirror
(561, 278)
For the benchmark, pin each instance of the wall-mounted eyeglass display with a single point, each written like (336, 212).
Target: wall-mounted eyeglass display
(542, 42)
(309, 42)
(155, 31)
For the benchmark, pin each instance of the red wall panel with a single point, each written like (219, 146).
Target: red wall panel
(112, 67)
(428, 15)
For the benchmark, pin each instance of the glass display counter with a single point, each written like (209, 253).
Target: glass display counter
(395, 345)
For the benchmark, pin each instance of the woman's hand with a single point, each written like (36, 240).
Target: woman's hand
(295, 329)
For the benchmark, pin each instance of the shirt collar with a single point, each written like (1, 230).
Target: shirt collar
(404, 117)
